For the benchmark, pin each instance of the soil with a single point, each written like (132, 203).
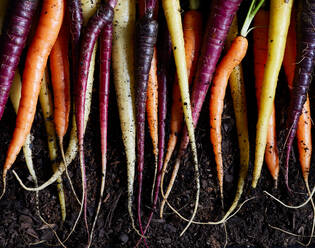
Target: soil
(250, 227)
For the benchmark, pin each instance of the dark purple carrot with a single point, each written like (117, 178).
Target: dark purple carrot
(75, 23)
(103, 16)
(145, 39)
(164, 49)
(219, 22)
(13, 39)
(302, 76)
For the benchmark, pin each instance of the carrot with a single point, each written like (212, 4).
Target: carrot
(105, 58)
(152, 96)
(174, 24)
(14, 35)
(15, 95)
(164, 48)
(234, 56)
(260, 36)
(37, 55)
(123, 59)
(75, 25)
(302, 76)
(192, 28)
(60, 79)
(280, 12)
(145, 39)
(46, 104)
(152, 111)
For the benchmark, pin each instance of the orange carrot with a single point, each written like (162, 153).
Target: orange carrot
(46, 34)
(152, 109)
(260, 36)
(192, 28)
(60, 78)
(234, 56)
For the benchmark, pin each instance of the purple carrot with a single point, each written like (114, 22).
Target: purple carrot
(105, 58)
(164, 59)
(219, 22)
(13, 39)
(146, 33)
(303, 75)
(104, 15)
(76, 22)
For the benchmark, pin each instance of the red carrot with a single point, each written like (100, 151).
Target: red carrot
(14, 35)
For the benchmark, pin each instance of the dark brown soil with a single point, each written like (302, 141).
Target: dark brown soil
(250, 227)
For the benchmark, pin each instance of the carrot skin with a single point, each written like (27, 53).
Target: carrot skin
(14, 36)
(302, 75)
(260, 57)
(37, 55)
(146, 34)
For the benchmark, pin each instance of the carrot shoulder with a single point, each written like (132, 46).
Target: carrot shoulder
(37, 55)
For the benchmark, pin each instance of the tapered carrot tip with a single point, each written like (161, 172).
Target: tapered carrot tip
(276, 183)
(4, 180)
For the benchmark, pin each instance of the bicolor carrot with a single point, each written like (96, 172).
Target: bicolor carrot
(260, 46)
(36, 59)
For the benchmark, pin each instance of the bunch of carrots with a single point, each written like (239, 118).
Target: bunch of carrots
(139, 42)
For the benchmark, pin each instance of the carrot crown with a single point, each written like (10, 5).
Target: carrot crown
(253, 9)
